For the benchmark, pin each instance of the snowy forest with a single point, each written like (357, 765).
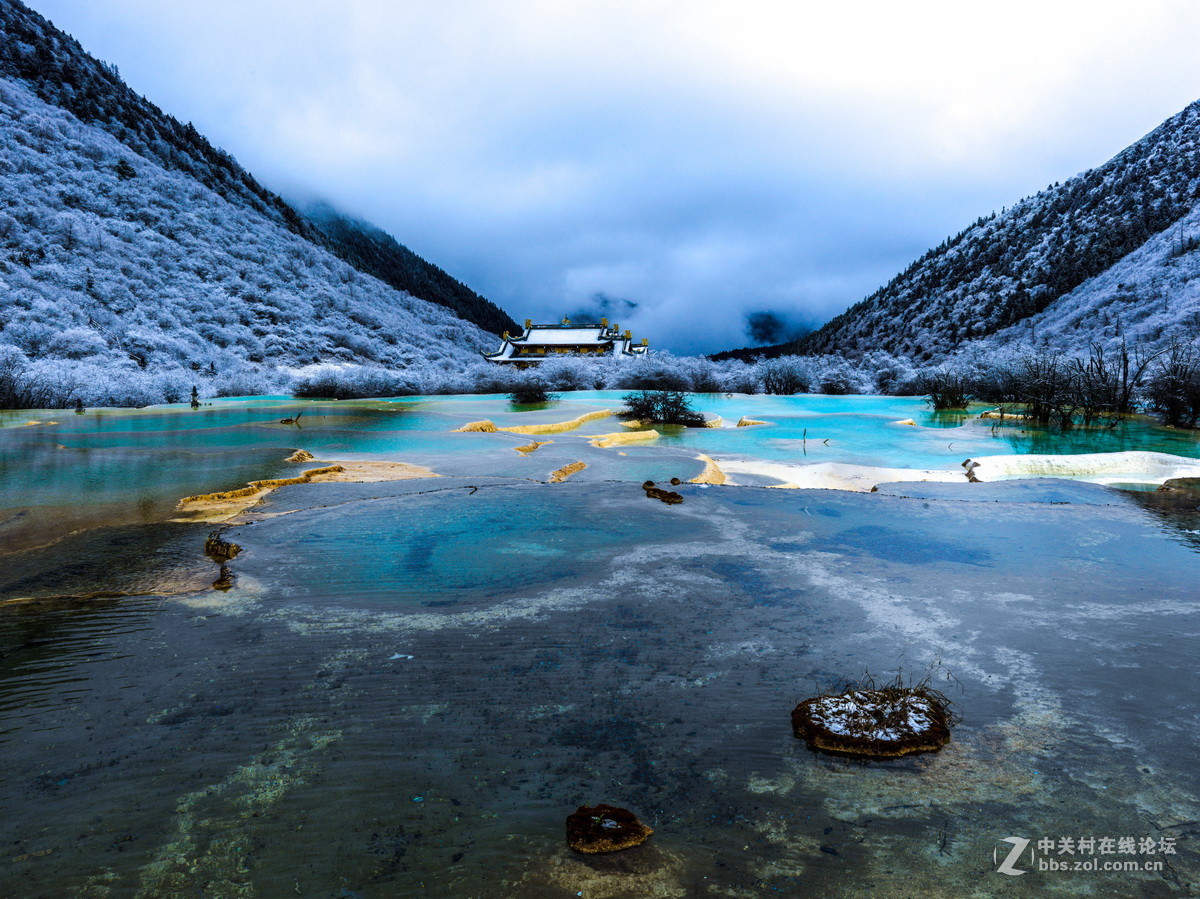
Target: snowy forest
(138, 262)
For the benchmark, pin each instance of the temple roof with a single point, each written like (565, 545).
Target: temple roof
(538, 342)
(558, 335)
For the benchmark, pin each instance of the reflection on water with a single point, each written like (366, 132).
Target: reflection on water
(1131, 434)
(1177, 510)
(47, 648)
(411, 684)
(442, 545)
(291, 738)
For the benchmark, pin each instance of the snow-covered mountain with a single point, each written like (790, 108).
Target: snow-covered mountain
(129, 244)
(1112, 252)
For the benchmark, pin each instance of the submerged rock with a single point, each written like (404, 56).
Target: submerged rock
(874, 724)
(1179, 484)
(219, 549)
(604, 828)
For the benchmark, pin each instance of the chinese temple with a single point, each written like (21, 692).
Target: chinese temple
(537, 343)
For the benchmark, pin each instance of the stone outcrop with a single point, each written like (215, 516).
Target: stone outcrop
(219, 549)
(604, 828)
(670, 497)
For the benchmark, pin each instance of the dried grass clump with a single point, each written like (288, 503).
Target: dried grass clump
(876, 722)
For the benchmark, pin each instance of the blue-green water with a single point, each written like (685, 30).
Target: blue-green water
(127, 466)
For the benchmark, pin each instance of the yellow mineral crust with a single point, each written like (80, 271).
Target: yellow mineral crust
(712, 473)
(606, 440)
(225, 505)
(553, 427)
(484, 425)
(566, 471)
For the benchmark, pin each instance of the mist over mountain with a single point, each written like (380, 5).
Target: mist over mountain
(375, 252)
(1111, 253)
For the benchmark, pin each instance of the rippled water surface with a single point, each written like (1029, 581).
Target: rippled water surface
(412, 683)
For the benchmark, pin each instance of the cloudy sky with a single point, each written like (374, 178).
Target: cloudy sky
(705, 173)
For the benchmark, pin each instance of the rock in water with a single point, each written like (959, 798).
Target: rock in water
(220, 550)
(874, 724)
(670, 497)
(604, 828)
(1179, 484)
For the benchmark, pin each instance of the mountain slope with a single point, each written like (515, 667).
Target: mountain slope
(116, 271)
(1006, 268)
(59, 71)
(377, 253)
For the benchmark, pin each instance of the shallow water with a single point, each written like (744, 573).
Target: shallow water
(131, 466)
(413, 683)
